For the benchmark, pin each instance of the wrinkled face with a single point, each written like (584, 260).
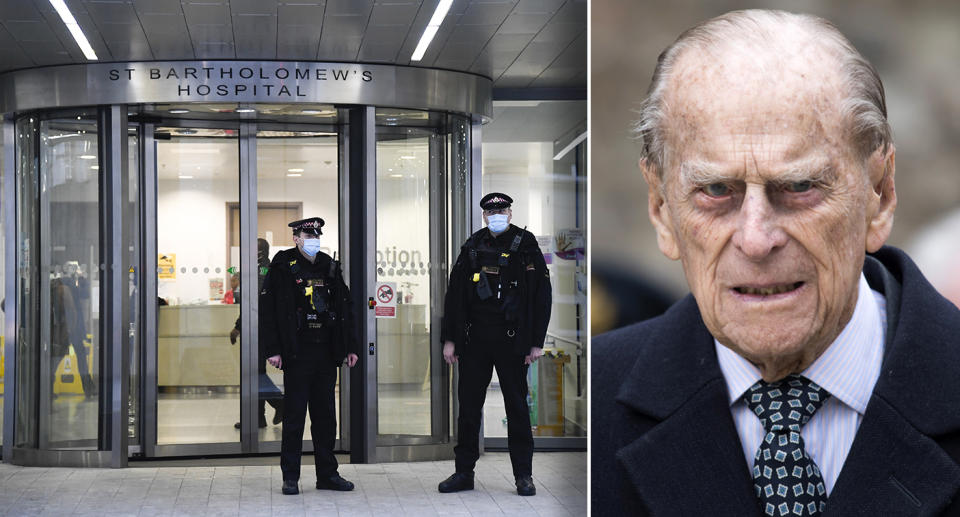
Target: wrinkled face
(770, 210)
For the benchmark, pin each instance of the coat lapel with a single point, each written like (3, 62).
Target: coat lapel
(892, 469)
(691, 462)
(895, 466)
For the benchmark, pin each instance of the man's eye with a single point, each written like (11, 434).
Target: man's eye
(799, 186)
(716, 189)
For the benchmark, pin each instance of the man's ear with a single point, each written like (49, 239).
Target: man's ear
(658, 212)
(881, 167)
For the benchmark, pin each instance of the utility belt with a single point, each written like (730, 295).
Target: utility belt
(481, 330)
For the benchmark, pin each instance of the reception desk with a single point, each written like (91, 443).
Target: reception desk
(403, 347)
(193, 346)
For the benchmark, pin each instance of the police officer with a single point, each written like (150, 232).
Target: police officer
(308, 331)
(496, 313)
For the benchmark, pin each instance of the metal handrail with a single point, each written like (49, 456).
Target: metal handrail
(571, 341)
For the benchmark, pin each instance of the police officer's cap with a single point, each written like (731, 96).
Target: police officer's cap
(495, 201)
(309, 225)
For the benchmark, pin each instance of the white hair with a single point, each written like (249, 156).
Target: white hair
(864, 107)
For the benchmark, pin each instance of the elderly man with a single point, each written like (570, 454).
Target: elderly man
(812, 370)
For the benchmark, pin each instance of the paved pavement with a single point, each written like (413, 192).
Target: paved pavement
(383, 489)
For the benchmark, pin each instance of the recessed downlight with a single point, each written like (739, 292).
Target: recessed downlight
(294, 175)
(294, 170)
(185, 177)
(88, 157)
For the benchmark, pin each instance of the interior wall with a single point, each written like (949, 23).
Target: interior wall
(203, 207)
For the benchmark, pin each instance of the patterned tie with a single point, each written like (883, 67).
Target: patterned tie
(786, 479)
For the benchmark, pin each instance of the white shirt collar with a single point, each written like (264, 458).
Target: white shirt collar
(848, 368)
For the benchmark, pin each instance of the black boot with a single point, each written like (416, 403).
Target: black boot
(278, 413)
(261, 424)
(525, 486)
(457, 482)
(334, 482)
(290, 487)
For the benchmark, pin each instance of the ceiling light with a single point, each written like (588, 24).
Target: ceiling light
(88, 157)
(310, 112)
(246, 110)
(438, 15)
(294, 170)
(396, 175)
(74, 29)
(294, 175)
(95, 167)
(185, 177)
(408, 157)
(178, 111)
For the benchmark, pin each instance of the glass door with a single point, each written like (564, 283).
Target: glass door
(197, 289)
(297, 177)
(413, 384)
(69, 259)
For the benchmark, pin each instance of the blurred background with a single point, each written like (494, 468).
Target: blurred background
(915, 46)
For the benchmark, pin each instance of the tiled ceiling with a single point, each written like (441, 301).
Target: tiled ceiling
(517, 43)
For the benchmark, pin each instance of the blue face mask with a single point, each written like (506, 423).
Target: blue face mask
(497, 222)
(311, 247)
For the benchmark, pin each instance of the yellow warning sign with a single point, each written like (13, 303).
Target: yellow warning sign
(167, 266)
(67, 376)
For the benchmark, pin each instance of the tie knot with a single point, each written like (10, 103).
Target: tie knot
(785, 405)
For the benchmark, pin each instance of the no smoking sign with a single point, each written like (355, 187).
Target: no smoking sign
(386, 300)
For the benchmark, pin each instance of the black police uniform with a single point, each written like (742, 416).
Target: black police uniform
(306, 318)
(496, 308)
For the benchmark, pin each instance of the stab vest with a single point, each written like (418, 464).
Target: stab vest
(314, 300)
(496, 274)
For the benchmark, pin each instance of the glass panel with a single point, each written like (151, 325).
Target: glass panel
(198, 370)
(3, 276)
(28, 348)
(3, 161)
(297, 177)
(403, 261)
(131, 217)
(522, 157)
(458, 216)
(69, 283)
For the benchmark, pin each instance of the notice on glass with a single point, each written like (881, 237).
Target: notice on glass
(386, 299)
(167, 266)
(570, 244)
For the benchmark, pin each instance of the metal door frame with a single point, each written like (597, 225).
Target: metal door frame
(249, 310)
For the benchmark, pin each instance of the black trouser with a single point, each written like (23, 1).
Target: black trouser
(488, 349)
(275, 402)
(309, 381)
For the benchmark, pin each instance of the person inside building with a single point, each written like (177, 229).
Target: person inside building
(268, 393)
(496, 313)
(308, 331)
